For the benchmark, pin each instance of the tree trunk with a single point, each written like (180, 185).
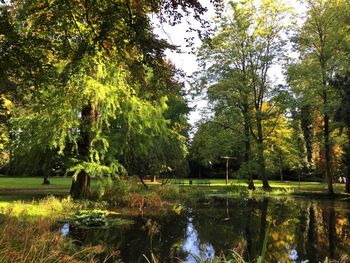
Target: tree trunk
(261, 157)
(143, 182)
(327, 148)
(46, 180)
(251, 185)
(347, 163)
(81, 184)
(280, 165)
(306, 126)
(226, 177)
(46, 171)
(347, 182)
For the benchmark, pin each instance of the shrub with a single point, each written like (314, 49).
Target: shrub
(169, 192)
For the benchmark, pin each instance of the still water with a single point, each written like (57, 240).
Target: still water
(297, 229)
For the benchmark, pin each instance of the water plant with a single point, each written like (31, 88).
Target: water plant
(90, 218)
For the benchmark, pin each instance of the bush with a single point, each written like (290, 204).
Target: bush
(117, 191)
(169, 192)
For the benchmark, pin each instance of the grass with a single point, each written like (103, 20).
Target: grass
(65, 183)
(34, 183)
(29, 233)
(29, 188)
(50, 207)
(315, 187)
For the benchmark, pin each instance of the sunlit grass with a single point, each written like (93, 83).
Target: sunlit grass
(50, 207)
(278, 187)
(29, 233)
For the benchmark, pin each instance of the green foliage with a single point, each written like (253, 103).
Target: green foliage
(117, 191)
(235, 64)
(169, 192)
(247, 169)
(320, 41)
(5, 111)
(64, 59)
(90, 218)
(211, 142)
(96, 170)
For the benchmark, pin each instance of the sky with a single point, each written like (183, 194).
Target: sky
(187, 62)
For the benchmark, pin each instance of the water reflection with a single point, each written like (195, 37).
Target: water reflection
(65, 229)
(193, 246)
(298, 230)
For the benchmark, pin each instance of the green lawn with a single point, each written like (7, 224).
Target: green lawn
(62, 184)
(295, 186)
(33, 183)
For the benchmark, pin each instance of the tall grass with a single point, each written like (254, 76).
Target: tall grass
(29, 232)
(48, 207)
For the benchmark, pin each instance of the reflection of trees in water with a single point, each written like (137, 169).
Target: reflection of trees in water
(140, 238)
(314, 229)
(165, 245)
(283, 222)
(263, 223)
(326, 233)
(301, 230)
(249, 255)
(311, 234)
(195, 247)
(240, 224)
(308, 230)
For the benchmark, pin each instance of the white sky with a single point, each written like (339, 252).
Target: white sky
(187, 62)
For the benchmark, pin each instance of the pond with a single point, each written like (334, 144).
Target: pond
(297, 229)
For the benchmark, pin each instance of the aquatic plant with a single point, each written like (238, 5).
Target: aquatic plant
(90, 218)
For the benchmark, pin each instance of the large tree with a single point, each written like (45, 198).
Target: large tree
(342, 84)
(240, 57)
(93, 59)
(318, 41)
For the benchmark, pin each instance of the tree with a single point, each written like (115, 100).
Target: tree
(342, 84)
(318, 42)
(240, 57)
(211, 142)
(282, 148)
(92, 62)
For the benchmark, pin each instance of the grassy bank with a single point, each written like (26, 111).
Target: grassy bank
(277, 186)
(26, 188)
(30, 230)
